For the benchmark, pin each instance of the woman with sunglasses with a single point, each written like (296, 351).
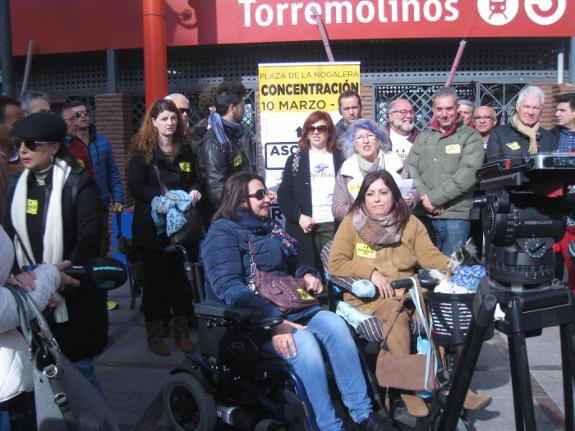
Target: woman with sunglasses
(159, 152)
(366, 148)
(54, 215)
(242, 230)
(306, 191)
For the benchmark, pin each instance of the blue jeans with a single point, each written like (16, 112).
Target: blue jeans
(450, 234)
(327, 330)
(86, 367)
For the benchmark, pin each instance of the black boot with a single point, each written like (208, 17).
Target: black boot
(378, 421)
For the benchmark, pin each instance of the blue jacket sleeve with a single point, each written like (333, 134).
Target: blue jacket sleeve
(224, 270)
(114, 179)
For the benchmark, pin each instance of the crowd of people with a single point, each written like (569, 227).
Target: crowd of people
(390, 198)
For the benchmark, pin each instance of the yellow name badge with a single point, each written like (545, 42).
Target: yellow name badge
(31, 206)
(185, 167)
(514, 146)
(237, 160)
(305, 295)
(364, 250)
(353, 187)
(81, 163)
(453, 149)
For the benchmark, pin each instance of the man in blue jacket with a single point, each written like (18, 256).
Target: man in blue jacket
(103, 163)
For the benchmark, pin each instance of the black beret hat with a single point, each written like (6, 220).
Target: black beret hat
(41, 126)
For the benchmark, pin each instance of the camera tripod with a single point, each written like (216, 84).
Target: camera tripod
(527, 311)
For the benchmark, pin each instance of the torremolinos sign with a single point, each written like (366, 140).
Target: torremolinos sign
(101, 24)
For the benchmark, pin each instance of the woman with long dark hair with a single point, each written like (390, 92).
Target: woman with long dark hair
(381, 241)
(241, 230)
(159, 155)
(306, 191)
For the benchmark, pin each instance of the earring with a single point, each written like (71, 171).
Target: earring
(52, 159)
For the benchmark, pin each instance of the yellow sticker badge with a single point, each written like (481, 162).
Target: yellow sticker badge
(453, 149)
(513, 146)
(303, 294)
(237, 160)
(364, 250)
(31, 206)
(353, 187)
(185, 167)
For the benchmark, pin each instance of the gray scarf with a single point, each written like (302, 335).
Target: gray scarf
(377, 165)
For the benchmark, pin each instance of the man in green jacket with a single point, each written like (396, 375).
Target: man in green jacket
(442, 163)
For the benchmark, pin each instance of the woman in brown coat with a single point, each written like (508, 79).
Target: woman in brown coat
(381, 241)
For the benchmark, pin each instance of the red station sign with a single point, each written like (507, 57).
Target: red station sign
(58, 26)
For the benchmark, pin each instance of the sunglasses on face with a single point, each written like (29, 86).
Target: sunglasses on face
(80, 114)
(31, 145)
(320, 129)
(260, 194)
(184, 111)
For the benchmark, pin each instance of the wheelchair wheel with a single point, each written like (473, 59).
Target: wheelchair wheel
(189, 406)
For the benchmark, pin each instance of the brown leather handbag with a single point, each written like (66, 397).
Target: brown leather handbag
(284, 292)
(414, 372)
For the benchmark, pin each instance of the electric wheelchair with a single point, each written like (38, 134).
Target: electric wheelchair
(229, 382)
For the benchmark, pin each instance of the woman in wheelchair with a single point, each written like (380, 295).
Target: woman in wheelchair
(241, 229)
(380, 241)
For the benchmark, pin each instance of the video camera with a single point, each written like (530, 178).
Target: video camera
(524, 210)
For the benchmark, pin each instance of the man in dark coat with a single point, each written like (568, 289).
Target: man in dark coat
(522, 136)
(223, 150)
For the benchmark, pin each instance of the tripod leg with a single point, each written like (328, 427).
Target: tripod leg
(567, 358)
(520, 377)
(466, 365)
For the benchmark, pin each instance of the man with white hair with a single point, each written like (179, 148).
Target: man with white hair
(401, 126)
(522, 136)
(183, 105)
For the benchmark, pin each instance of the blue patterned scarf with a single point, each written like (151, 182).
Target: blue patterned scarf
(267, 226)
(224, 127)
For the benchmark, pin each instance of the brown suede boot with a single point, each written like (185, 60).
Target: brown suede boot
(165, 325)
(181, 335)
(475, 402)
(155, 342)
(415, 405)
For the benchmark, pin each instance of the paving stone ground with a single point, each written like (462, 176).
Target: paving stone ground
(133, 377)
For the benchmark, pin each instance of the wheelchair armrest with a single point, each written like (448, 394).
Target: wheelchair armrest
(221, 310)
(426, 280)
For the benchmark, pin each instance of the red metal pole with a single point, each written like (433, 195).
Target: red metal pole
(323, 33)
(155, 50)
(455, 64)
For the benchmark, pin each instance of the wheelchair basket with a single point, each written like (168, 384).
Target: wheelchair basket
(452, 314)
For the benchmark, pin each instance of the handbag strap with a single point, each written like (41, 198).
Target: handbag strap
(42, 338)
(163, 187)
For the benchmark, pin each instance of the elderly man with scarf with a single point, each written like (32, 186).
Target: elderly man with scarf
(223, 150)
(522, 136)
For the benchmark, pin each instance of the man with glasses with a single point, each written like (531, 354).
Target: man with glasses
(103, 164)
(34, 101)
(183, 105)
(401, 126)
(76, 146)
(522, 136)
(350, 109)
(484, 121)
(443, 162)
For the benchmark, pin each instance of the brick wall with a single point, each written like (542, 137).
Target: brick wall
(113, 119)
(366, 92)
(551, 92)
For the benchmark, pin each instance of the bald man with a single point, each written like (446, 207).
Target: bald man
(484, 121)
